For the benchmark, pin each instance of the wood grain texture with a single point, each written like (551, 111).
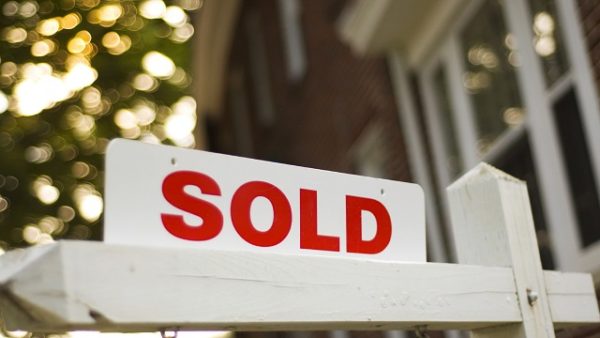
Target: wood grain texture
(493, 226)
(89, 285)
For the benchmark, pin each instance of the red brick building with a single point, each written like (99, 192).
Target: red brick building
(419, 91)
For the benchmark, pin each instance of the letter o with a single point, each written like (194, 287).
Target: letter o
(242, 222)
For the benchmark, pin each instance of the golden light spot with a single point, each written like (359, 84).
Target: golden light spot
(50, 225)
(145, 82)
(8, 68)
(125, 119)
(123, 46)
(79, 76)
(42, 153)
(89, 202)
(80, 169)
(191, 5)
(89, 50)
(91, 98)
(152, 9)
(44, 190)
(28, 9)
(48, 27)
(70, 21)
(15, 35)
(31, 234)
(3, 204)
(49, 88)
(94, 17)
(179, 78)
(175, 16)
(3, 102)
(132, 133)
(43, 48)
(545, 45)
(76, 45)
(150, 138)
(110, 12)
(66, 213)
(543, 23)
(85, 36)
(183, 33)
(158, 65)
(513, 116)
(144, 114)
(89, 3)
(10, 8)
(111, 40)
(182, 122)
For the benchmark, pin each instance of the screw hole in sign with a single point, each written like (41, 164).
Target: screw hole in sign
(173, 161)
(382, 191)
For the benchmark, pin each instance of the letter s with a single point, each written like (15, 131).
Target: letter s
(173, 191)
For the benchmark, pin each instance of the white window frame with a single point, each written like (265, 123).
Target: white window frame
(539, 123)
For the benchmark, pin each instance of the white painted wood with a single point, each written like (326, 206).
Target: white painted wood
(419, 165)
(545, 146)
(462, 105)
(137, 205)
(493, 226)
(89, 285)
(587, 96)
(586, 89)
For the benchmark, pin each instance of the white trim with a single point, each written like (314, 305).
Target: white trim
(436, 130)
(587, 97)
(586, 91)
(417, 154)
(290, 17)
(436, 24)
(463, 108)
(547, 156)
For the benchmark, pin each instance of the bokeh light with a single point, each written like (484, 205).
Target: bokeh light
(73, 75)
(158, 65)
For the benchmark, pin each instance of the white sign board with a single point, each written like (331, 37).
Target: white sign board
(167, 196)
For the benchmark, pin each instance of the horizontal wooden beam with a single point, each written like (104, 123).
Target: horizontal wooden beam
(73, 285)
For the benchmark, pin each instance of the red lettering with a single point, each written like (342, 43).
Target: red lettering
(309, 236)
(241, 218)
(173, 191)
(355, 243)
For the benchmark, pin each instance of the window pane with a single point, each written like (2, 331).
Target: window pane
(518, 162)
(547, 40)
(579, 168)
(490, 61)
(445, 113)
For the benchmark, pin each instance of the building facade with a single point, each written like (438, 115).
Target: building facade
(421, 91)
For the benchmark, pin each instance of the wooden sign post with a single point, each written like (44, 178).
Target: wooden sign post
(497, 290)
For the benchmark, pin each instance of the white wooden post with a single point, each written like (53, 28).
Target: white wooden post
(493, 226)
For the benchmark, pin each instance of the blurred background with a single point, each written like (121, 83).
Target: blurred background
(408, 90)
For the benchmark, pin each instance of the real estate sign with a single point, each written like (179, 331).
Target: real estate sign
(166, 196)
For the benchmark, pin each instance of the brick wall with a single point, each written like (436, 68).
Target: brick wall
(319, 119)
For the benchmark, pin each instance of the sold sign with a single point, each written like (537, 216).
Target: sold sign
(167, 196)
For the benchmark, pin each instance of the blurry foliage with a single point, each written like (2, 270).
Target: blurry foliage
(74, 74)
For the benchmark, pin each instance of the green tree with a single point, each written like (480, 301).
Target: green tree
(73, 75)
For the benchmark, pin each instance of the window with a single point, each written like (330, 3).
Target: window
(505, 86)
(489, 78)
